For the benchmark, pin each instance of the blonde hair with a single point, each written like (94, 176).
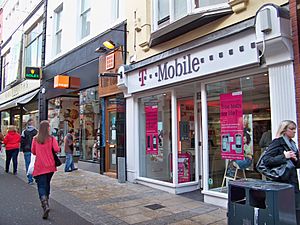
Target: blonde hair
(11, 128)
(283, 127)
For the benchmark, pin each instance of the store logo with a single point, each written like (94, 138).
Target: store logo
(170, 70)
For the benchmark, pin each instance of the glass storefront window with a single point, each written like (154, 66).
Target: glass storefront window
(155, 139)
(186, 140)
(63, 115)
(245, 125)
(89, 124)
(4, 121)
(31, 112)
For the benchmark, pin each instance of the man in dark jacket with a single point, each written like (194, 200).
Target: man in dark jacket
(26, 141)
(69, 147)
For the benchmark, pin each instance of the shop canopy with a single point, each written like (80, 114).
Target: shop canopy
(19, 101)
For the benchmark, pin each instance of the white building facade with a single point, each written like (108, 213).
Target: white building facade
(21, 47)
(189, 107)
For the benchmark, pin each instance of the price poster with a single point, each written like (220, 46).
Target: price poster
(231, 119)
(151, 114)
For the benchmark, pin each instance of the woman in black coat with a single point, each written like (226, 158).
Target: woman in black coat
(282, 149)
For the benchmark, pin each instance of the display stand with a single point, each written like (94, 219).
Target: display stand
(232, 176)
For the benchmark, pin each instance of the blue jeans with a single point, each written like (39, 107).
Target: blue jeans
(12, 154)
(43, 183)
(27, 158)
(69, 164)
(243, 164)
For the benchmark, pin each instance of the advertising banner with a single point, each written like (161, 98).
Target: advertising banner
(231, 119)
(151, 114)
(184, 167)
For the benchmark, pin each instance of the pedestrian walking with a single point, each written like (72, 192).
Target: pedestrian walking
(43, 147)
(26, 141)
(69, 147)
(12, 146)
(277, 154)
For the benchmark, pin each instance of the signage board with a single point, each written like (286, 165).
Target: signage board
(33, 73)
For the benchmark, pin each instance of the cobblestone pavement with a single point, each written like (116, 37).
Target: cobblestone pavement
(102, 200)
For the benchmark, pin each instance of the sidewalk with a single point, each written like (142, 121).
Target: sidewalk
(102, 200)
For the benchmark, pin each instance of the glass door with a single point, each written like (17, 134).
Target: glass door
(186, 140)
(111, 141)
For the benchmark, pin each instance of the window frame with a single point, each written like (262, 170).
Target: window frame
(29, 41)
(84, 13)
(115, 10)
(191, 9)
(58, 29)
(5, 68)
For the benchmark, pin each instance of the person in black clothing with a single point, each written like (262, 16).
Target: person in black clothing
(26, 141)
(277, 154)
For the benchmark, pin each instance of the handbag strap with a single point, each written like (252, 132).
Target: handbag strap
(52, 144)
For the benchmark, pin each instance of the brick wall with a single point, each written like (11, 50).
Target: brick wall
(295, 32)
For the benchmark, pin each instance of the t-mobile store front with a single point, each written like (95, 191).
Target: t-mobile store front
(196, 111)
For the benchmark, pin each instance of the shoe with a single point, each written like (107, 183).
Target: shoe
(30, 182)
(15, 173)
(75, 169)
(68, 171)
(45, 206)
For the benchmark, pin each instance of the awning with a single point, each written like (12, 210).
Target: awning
(19, 101)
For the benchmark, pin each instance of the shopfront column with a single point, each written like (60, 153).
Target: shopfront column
(282, 94)
(274, 42)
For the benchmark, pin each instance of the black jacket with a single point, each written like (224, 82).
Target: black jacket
(26, 139)
(274, 156)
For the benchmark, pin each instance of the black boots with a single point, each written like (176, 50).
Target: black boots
(45, 206)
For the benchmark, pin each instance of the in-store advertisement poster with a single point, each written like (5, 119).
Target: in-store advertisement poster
(152, 142)
(231, 119)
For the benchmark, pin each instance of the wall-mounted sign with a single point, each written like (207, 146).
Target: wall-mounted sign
(110, 61)
(61, 81)
(32, 73)
(64, 81)
(221, 55)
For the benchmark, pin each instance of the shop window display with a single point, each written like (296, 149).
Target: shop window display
(63, 115)
(89, 124)
(155, 139)
(238, 115)
(4, 121)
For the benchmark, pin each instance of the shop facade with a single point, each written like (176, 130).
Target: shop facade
(112, 123)
(193, 109)
(18, 104)
(21, 60)
(70, 98)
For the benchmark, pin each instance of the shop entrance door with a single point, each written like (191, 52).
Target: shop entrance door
(111, 142)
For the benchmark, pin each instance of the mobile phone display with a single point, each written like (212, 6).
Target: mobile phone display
(148, 142)
(225, 143)
(154, 142)
(238, 143)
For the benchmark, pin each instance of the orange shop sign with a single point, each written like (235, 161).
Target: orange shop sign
(61, 81)
(64, 81)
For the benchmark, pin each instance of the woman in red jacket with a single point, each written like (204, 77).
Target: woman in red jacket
(12, 145)
(44, 166)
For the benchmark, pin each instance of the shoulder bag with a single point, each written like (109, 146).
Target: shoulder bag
(277, 173)
(56, 159)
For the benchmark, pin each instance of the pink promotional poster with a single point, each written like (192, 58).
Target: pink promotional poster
(184, 167)
(151, 112)
(231, 119)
